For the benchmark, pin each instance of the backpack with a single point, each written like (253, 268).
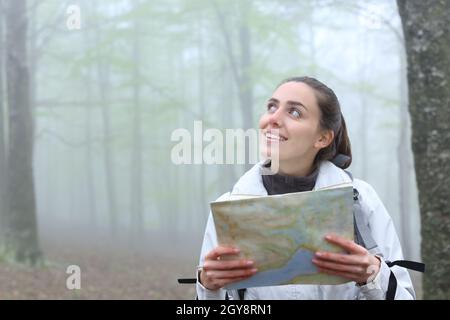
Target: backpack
(363, 237)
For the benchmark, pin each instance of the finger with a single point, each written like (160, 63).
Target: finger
(343, 258)
(346, 244)
(236, 279)
(230, 274)
(219, 251)
(350, 276)
(339, 267)
(227, 264)
(223, 282)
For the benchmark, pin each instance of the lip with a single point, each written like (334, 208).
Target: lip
(274, 137)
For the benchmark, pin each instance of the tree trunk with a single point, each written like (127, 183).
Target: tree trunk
(228, 174)
(241, 68)
(21, 235)
(103, 82)
(363, 139)
(426, 26)
(3, 204)
(108, 154)
(312, 68)
(136, 152)
(245, 85)
(103, 79)
(33, 56)
(90, 186)
(202, 98)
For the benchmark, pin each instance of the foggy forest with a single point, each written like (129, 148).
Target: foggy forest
(92, 91)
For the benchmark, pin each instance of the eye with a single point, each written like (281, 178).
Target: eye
(271, 107)
(295, 113)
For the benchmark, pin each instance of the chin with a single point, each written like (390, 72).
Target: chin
(267, 152)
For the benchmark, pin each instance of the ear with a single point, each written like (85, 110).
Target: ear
(325, 138)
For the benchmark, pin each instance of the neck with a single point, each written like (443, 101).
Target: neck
(296, 168)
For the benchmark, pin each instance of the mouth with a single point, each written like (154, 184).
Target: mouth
(274, 137)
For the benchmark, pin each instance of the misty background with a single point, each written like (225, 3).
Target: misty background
(107, 96)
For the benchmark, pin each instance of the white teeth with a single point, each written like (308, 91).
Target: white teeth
(274, 137)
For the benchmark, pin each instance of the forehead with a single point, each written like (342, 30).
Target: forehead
(296, 91)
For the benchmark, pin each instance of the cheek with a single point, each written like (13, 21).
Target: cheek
(263, 121)
(303, 136)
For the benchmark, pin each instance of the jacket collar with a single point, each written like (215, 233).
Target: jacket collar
(251, 182)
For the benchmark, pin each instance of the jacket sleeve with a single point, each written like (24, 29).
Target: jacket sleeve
(383, 232)
(209, 243)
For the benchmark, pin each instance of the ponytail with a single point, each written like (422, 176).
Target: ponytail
(343, 154)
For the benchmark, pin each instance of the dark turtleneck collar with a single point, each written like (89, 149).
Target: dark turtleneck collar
(280, 184)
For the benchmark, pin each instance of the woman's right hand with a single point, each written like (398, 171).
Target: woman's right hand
(217, 273)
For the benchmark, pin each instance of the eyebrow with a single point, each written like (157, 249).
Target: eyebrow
(288, 102)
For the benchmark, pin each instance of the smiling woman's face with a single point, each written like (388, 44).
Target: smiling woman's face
(294, 116)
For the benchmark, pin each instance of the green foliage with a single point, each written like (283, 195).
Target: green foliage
(7, 255)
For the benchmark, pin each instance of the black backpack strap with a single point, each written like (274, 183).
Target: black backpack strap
(412, 265)
(187, 280)
(241, 293)
(392, 286)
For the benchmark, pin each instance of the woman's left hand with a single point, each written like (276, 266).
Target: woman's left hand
(358, 265)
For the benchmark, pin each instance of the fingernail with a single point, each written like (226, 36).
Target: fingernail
(249, 262)
(328, 237)
(319, 254)
(314, 261)
(254, 270)
(236, 250)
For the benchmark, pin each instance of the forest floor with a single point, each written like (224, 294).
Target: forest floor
(103, 276)
(106, 274)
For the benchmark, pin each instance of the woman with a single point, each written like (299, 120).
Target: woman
(304, 119)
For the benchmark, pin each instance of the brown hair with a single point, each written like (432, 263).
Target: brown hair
(331, 119)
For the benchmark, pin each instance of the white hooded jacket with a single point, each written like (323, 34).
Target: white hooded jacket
(380, 224)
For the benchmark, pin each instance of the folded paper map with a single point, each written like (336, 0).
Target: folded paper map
(281, 233)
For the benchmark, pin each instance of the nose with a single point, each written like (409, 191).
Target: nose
(276, 118)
